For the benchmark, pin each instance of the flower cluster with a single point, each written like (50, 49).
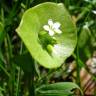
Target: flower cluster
(52, 28)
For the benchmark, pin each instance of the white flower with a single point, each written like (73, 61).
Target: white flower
(52, 28)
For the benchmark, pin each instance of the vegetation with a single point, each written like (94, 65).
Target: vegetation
(47, 47)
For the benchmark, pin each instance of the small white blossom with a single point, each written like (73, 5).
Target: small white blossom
(52, 28)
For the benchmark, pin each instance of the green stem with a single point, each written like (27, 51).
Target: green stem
(27, 4)
(11, 65)
(15, 9)
(32, 87)
(67, 3)
(18, 82)
(19, 72)
(5, 71)
(77, 63)
(78, 67)
(30, 81)
(85, 10)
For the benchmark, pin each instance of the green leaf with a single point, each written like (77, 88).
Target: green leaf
(31, 26)
(1, 27)
(57, 89)
(1, 33)
(85, 33)
(84, 43)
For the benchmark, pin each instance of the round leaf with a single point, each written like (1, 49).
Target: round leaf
(31, 26)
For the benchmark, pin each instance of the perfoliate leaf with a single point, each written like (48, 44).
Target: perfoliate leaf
(31, 27)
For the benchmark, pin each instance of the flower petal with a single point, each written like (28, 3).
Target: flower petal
(56, 25)
(58, 31)
(50, 22)
(46, 27)
(51, 33)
